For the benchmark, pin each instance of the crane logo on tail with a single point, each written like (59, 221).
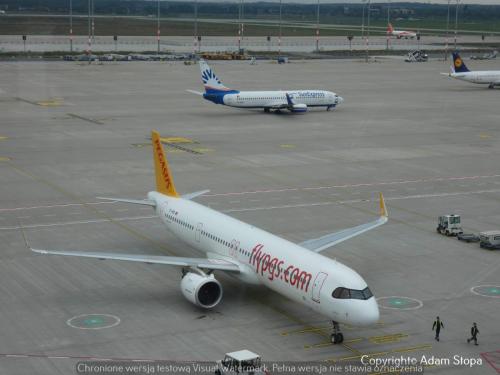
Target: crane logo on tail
(458, 62)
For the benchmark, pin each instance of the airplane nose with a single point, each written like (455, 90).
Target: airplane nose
(372, 313)
(367, 314)
(340, 100)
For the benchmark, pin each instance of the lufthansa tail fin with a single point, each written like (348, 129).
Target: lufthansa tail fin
(211, 82)
(164, 180)
(458, 65)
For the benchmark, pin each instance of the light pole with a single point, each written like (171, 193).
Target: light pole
(89, 32)
(317, 28)
(279, 36)
(368, 31)
(456, 24)
(388, 21)
(158, 27)
(447, 32)
(92, 16)
(196, 42)
(71, 25)
(240, 25)
(363, 21)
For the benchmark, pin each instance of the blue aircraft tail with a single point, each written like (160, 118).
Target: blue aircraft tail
(211, 82)
(458, 66)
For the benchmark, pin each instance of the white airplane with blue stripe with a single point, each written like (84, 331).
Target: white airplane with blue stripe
(295, 101)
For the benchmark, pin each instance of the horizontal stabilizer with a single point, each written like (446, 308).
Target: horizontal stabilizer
(195, 92)
(211, 264)
(194, 195)
(145, 202)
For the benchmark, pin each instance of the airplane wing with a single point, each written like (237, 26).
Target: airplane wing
(321, 243)
(145, 202)
(212, 264)
(195, 92)
(277, 104)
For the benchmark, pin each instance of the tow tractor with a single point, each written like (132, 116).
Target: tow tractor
(449, 225)
(240, 362)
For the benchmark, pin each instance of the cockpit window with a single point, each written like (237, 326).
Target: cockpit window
(345, 293)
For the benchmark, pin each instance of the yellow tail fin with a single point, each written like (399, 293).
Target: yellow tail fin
(164, 181)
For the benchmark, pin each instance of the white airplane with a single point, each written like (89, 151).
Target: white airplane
(461, 72)
(252, 255)
(293, 100)
(400, 33)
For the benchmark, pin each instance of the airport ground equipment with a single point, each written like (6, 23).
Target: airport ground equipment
(490, 240)
(468, 237)
(417, 56)
(240, 362)
(486, 56)
(449, 225)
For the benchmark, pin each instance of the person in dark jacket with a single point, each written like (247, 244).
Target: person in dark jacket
(473, 332)
(438, 324)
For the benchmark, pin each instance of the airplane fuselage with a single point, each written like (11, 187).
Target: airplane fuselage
(269, 99)
(304, 276)
(488, 77)
(403, 34)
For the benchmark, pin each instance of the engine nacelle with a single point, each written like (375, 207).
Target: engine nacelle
(299, 107)
(203, 291)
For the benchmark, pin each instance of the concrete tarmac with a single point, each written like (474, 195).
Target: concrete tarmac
(71, 132)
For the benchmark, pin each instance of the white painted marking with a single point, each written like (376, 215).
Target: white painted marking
(473, 290)
(400, 182)
(327, 203)
(54, 205)
(419, 303)
(260, 208)
(116, 322)
(130, 218)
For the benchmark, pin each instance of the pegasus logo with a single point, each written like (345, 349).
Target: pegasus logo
(163, 164)
(208, 75)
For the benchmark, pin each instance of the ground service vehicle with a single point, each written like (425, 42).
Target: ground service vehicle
(449, 225)
(490, 239)
(240, 362)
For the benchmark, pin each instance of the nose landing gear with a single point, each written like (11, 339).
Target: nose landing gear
(337, 337)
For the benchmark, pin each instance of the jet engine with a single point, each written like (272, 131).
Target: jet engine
(202, 290)
(299, 107)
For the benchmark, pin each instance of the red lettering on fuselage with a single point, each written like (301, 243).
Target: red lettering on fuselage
(273, 268)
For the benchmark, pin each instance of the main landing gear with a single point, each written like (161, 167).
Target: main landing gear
(267, 110)
(337, 337)
(491, 86)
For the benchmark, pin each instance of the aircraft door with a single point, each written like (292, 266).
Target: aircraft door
(317, 285)
(197, 234)
(234, 248)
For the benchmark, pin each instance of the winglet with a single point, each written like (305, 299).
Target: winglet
(383, 209)
(164, 180)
